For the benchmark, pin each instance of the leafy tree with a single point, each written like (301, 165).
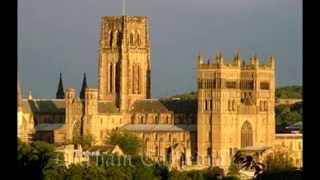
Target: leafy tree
(161, 171)
(84, 140)
(288, 114)
(233, 170)
(289, 92)
(127, 141)
(36, 158)
(281, 175)
(279, 160)
(176, 175)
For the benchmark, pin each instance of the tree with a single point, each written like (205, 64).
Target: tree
(127, 141)
(35, 158)
(288, 114)
(279, 160)
(289, 92)
(233, 170)
(84, 140)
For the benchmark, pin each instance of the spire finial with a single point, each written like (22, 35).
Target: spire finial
(219, 57)
(60, 91)
(19, 98)
(29, 95)
(83, 86)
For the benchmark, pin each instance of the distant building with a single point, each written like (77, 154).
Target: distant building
(287, 101)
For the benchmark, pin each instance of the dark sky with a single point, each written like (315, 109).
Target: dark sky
(62, 36)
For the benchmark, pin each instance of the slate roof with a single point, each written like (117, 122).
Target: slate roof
(181, 106)
(255, 148)
(107, 107)
(44, 105)
(48, 127)
(187, 127)
(153, 127)
(148, 106)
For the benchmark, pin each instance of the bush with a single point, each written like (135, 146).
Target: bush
(128, 142)
(36, 158)
(281, 175)
(278, 161)
(85, 141)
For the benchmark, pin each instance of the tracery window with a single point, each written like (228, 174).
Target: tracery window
(246, 135)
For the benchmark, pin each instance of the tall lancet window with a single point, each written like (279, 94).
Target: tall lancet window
(110, 38)
(111, 77)
(246, 135)
(131, 39)
(136, 79)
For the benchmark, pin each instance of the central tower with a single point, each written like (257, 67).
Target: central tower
(124, 60)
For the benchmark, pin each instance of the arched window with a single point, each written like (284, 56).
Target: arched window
(246, 135)
(146, 145)
(233, 105)
(138, 40)
(110, 38)
(110, 77)
(156, 119)
(156, 151)
(131, 39)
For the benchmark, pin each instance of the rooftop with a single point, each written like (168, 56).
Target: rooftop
(148, 106)
(153, 127)
(48, 127)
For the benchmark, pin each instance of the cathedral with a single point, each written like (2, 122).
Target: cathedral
(234, 109)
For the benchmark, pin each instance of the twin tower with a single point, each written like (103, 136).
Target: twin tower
(124, 60)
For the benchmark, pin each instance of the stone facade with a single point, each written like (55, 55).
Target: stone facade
(293, 144)
(234, 109)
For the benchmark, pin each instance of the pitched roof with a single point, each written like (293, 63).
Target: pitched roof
(45, 105)
(181, 105)
(152, 127)
(107, 107)
(148, 106)
(48, 127)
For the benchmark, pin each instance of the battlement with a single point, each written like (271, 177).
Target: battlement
(139, 19)
(218, 63)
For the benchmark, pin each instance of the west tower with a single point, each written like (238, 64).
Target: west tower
(235, 107)
(124, 60)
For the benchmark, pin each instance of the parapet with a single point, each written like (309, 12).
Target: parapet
(254, 62)
(139, 19)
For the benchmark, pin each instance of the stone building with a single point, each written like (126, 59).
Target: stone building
(234, 109)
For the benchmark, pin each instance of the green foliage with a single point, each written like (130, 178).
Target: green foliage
(233, 170)
(84, 141)
(208, 174)
(289, 92)
(288, 114)
(36, 158)
(278, 161)
(176, 175)
(281, 175)
(128, 142)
